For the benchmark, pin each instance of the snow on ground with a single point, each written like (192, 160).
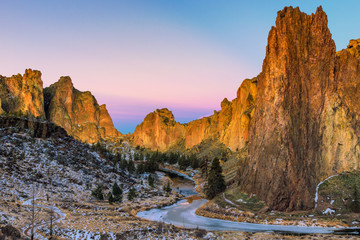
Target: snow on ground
(62, 173)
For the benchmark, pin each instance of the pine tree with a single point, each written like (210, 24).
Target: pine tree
(151, 181)
(132, 194)
(98, 192)
(110, 197)
(131, 166)
(204, 167)
(117, 193)
(215, 181)
(167, 188)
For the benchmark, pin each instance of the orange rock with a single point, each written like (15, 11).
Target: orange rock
(230, 125)
(78, 112)
(23, 95)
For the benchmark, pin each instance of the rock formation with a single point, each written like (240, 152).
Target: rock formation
(305, 125)
(158, 131)
(22, 95)
(230, 125)
(77, 112)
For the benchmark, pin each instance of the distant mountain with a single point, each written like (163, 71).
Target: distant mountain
(77, 112)
(299, 118)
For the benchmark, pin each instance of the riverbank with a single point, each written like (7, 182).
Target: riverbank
(239, 207)
(244, 208)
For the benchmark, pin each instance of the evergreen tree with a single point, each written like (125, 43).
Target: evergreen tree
(110, 197)
(117, 193)
(215, 181)
(204, 167)
(98, 192)
(173, 158)
(194, 161)
(132, 194)
(140, 168)
(151, 181)
(184, 162)
(167, 188)
(131, 166)
(123, 164)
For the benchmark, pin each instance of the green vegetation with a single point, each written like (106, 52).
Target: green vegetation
(247, 202)
(117, 193)
(167, 188)
(215, 181)
(151, 181)
(132, 194)
(355, 200)
(98, 192)
(341, 193)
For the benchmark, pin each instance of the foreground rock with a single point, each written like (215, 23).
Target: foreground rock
(305, 126)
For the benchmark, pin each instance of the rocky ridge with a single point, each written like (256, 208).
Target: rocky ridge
(77, 112)
(160, 131)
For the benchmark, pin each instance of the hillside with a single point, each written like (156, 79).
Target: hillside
(60, 172)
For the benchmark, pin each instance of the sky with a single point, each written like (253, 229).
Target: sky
(139, 55)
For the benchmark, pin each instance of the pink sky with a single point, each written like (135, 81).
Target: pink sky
(139, 55)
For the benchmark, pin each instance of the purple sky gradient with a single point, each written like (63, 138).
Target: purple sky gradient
(136, 56)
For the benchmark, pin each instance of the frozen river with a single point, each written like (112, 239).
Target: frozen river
(183, 214)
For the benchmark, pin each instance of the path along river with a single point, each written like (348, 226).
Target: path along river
(182, 214)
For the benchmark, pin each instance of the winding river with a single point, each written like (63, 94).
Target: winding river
(182, 214)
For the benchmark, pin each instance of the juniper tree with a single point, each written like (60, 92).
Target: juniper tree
(98, 192)
(117, 192)
(167, 188)
(151, 181)
(132, 194)
(215, 181)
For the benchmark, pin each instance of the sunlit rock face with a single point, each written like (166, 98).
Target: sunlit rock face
(77, 112)
(230, 125)
(22, 95)
(158, 131)
(305, 126)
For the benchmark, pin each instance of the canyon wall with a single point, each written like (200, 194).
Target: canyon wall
(305, 125)
(230, 125)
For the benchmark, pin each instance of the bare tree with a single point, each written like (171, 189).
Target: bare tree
(34, 216)
(51, 208)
